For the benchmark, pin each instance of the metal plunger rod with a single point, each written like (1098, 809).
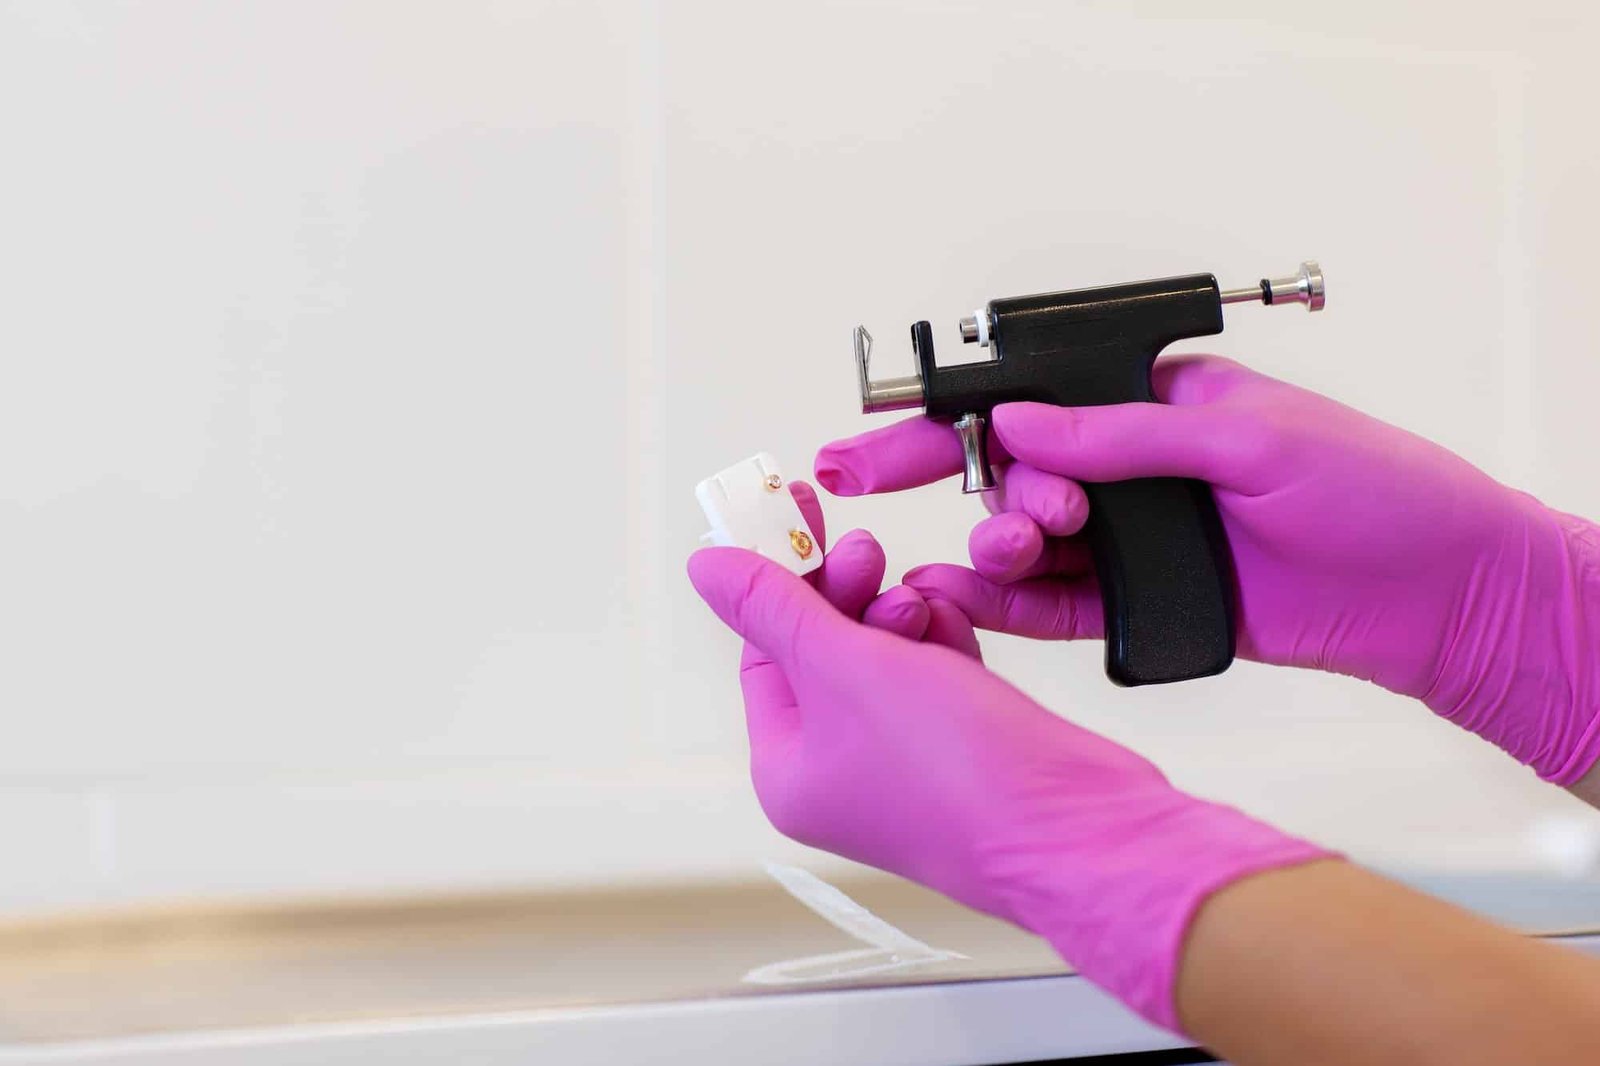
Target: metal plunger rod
(1307, 287)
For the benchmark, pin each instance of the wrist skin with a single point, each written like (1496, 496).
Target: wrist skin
(1327, 962)
(1587, 787)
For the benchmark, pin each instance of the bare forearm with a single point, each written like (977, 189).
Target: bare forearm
(1328, 963)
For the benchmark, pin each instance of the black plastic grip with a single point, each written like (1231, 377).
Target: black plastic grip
(1165, 586)
(1162, 559)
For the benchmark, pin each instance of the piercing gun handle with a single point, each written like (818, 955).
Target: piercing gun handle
(1159, 549)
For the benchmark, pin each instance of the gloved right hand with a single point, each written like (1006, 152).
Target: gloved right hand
(1359, 548)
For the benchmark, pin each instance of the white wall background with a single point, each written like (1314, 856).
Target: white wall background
(358, 359)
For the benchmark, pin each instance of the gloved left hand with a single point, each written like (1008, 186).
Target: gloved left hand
(912, 757)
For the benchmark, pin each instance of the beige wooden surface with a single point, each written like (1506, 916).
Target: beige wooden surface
(182, 969)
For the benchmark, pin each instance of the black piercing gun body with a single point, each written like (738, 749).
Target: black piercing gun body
(1159, 550)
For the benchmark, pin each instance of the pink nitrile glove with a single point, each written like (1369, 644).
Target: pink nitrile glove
(1359, 548)
(912, 757)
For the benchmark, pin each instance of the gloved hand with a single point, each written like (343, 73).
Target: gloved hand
(912, 757)
(1359, 548)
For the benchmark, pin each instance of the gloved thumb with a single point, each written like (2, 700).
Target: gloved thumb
(765, 604)
(1121, 441)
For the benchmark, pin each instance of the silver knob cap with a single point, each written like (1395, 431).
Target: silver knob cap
(975, 327)
(1307, 287)
(976, 475)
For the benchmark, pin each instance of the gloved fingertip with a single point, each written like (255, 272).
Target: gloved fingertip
(860, 540)
(805, 497)
(900, 610)
(933, 578)
(904, 601)
(696, 565)
(1005, 539)
(1005, 546)
(835, 475)
(708, 571)
(853, 572)
(1019, 414)
(949, 625)
(1073, 516)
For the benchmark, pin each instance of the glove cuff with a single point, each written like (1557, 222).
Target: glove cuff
(1132, 897)
(1523, 667)
(1575, 719)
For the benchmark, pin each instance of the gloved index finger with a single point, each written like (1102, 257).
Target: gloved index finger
(917, 451)
(780, 613)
